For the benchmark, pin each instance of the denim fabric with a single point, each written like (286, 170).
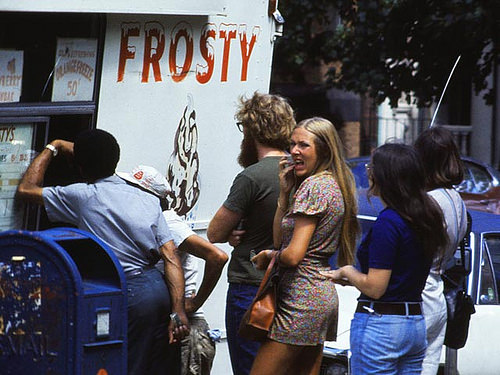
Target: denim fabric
(241, 351)
(148, 318)
(387, 344)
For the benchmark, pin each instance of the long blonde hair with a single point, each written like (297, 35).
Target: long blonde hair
(331, 158)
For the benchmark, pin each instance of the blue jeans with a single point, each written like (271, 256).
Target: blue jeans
(387, 344)
(241, 351)
(148, 318)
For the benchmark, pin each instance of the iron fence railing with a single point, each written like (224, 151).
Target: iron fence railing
(376, 130)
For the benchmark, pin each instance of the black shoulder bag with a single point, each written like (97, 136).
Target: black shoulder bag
(459, 304)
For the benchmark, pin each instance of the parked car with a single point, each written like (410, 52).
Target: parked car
(479, 356)
(480, 188)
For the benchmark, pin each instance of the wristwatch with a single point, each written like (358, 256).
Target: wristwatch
(175, 318)
(53, 149)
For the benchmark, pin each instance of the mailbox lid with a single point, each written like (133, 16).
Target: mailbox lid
(97, 265)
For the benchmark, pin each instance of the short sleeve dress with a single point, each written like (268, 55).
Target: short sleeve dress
(307, 302)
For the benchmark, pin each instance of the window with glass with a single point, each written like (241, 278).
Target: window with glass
(490, 267)
(479, 177)
(50, 66)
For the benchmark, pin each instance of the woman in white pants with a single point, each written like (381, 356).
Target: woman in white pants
(444, 169)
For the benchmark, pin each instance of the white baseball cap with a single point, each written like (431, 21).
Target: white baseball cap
(148, 178)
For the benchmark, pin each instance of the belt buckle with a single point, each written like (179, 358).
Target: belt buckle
(371, 310)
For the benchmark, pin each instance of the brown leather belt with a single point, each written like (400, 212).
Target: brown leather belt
(389, 308)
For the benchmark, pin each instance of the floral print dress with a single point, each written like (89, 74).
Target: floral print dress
(307, 302)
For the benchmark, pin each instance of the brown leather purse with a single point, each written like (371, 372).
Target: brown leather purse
(260, 315)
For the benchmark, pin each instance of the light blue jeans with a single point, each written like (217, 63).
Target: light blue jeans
(387, 344)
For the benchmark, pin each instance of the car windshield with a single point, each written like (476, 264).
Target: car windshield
(477, 179)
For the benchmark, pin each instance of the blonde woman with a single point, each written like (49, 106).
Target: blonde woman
(318, 220)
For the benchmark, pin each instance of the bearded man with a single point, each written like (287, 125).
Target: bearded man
(245, 219)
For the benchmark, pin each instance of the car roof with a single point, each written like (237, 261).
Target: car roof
(481, 221)
(484, 221)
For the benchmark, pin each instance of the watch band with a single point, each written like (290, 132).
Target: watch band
(53, 149)
(175, 318)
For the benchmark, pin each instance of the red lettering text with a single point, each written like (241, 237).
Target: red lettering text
(126, 52)
(181, 30)
(155, 31)
(204, 72)
(226, 32)
(246, 48)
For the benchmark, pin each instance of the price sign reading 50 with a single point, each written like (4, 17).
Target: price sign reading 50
(73, 87)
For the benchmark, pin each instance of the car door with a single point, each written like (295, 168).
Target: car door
(480, 354)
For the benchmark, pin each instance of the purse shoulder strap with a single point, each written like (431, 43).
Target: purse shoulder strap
(454, 209)
(268, 274)
(462, 248)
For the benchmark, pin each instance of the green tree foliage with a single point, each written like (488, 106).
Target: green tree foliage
(308, 25)
(389, 47)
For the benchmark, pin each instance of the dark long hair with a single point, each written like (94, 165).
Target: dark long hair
(441, 159)
(397, 177)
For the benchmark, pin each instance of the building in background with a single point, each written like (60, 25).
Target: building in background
(163, 76)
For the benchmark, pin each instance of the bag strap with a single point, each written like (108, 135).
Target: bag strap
(455, 213)
(268, 273)
(462, 248)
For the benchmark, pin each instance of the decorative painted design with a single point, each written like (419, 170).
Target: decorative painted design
(184, 163)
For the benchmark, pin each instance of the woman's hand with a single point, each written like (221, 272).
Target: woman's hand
(262, 259)
(336, 276)
(286, 176)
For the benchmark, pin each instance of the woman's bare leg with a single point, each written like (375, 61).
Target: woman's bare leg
(309, 362)
(275, 358)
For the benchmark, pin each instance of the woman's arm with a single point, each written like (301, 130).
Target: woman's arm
(303, 231)
(293, 254)
(287, 182)
(281, 210)
(373, 284)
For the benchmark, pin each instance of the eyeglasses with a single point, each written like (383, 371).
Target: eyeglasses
(239, 125)
(368, 166)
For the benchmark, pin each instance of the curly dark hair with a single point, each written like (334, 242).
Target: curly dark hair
(268, 118)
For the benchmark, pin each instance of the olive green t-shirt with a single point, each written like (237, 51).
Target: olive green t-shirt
(254, 194)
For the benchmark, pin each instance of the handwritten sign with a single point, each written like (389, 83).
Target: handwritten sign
(74, 70)
(15, 155)
(11, 75)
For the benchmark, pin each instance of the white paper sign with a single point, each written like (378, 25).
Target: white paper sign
(74, 71)
(11, 75)
(15, 155)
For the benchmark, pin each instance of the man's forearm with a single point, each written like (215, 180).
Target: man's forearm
(214, 258)
(30, 187)
(211, 275)
(174, 277)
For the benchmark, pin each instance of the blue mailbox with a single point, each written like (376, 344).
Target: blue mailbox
(63, 307)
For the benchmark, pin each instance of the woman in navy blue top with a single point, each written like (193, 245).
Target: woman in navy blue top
(388, 330)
